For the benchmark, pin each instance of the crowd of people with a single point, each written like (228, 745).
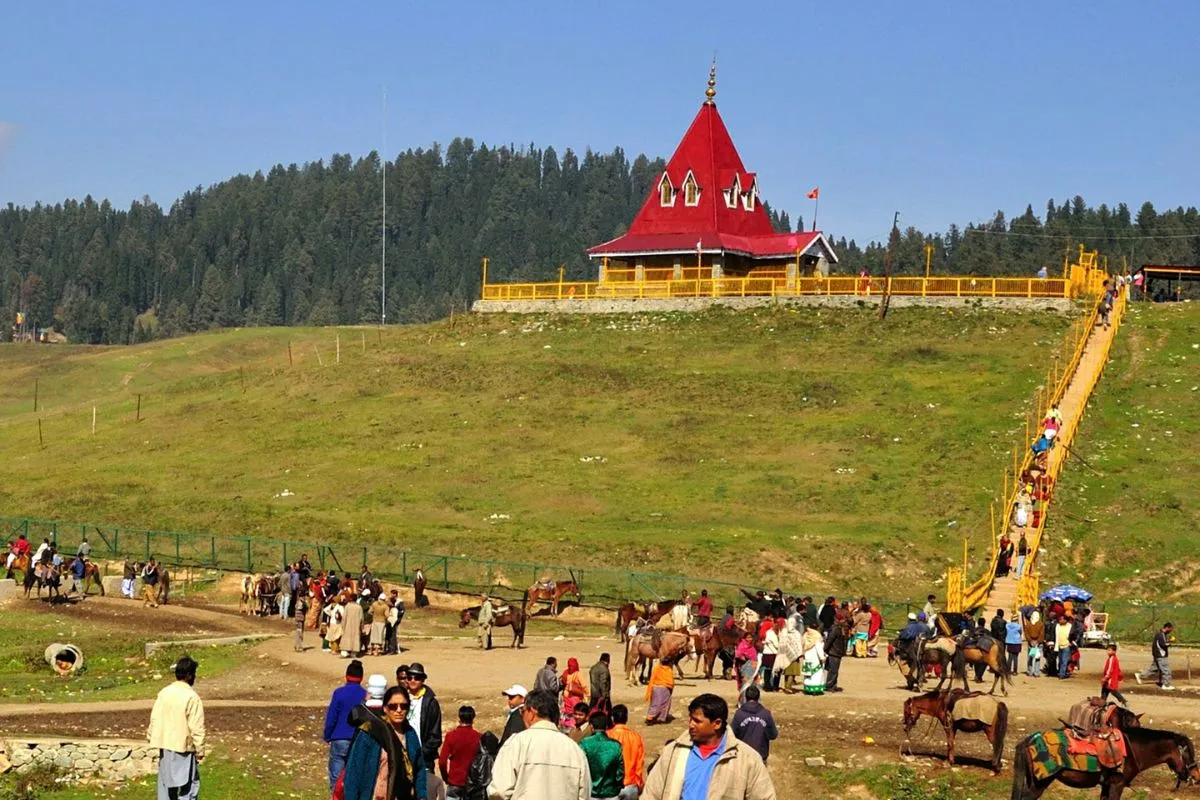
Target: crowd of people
(565, 738)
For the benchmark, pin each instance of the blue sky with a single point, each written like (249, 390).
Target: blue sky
(945, 112)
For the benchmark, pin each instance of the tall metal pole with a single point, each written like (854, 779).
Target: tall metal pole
(383, 227)
(893, 237)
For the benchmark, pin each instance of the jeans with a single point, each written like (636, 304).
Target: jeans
(833, 666)
(285, 604)
(1034, 669)
(628, 793)
(338, 750)
(1162, 668)
(1014, 658)
(1064, 661)
(1020, 566)
(1105, 692)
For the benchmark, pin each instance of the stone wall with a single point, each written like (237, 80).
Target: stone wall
(659, 304)
(108, 759)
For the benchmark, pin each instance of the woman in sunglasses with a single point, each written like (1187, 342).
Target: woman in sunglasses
(385, 761)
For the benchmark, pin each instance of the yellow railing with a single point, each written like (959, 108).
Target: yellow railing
(1058, 378)
(621, 285)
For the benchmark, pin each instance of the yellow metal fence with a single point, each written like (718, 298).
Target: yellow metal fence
(777, 286)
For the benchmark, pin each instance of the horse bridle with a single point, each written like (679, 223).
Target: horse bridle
(1189, 765)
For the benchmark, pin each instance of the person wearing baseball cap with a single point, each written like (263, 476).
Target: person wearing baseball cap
(515, 695)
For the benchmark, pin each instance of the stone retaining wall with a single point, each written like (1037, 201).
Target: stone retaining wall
(109, 759)
(658, 304)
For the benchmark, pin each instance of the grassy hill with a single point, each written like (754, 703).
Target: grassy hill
(810, 447)
(1127, 530)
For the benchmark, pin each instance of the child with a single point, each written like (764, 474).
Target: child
(1035, 659)
(1110, 680)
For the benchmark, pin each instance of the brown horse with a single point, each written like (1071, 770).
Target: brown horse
(940, 706)
(509, 616)
(20, 563)
(641, 652)
(43, 575)
(710, 640)
(626, 614)
(657, 610)
(1145, 748)
(993, 657)
(266, 595)
(941, 652)
(91, 574)
(552, 592)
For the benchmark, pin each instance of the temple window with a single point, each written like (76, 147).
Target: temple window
(691, 191)
(666, 192)
(749, 195)
(732, 193)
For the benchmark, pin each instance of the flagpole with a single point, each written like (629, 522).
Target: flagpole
(816, 207)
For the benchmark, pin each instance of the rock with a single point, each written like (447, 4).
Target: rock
(119, 755)
(84, 765)
(139, 753)
(63, 762)
(817, 761)
(838, 765)
(22, 757)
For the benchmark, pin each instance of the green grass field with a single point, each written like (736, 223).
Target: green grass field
(812, 448)
(1126, 530)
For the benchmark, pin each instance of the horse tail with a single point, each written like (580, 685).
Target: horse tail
(999, 729)
(519, 618)
(1022, 785)
(958, 667)
(617, 628)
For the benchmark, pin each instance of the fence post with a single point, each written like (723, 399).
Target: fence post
(249, 566)
(489, 575)
(404, 564)
(116, 541)
(446, 572)
(285, 558)
(212, 547)
(147, 545)
(177, 537)
(365, 561)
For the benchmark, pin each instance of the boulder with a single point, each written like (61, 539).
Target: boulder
(119, 755)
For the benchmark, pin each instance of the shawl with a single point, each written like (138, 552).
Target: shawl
(663, 675)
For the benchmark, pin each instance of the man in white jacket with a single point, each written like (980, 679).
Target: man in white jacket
(177, 732)
(540, 762)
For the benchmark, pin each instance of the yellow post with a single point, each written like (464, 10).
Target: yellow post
(964, 558)
(928, 259)
(561, 270)
(483, 288)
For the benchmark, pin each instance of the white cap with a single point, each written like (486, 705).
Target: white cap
(516, 690)
(376, 689)
(912, 616)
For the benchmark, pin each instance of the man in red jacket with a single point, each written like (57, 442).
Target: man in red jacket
(458, 751)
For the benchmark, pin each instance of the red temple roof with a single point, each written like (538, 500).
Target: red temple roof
(725, 214)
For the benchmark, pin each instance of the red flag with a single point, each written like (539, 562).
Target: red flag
(814, 194)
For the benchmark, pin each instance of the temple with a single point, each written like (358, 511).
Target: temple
(704, 219)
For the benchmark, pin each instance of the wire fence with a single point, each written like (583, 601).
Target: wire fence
(603, 588)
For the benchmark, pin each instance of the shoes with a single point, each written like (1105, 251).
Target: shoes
(1168, 688)
(1138, 677)
(835, 689)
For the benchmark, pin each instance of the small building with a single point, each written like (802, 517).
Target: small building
(705, 219)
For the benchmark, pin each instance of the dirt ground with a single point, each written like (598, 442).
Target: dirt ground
(274, 702)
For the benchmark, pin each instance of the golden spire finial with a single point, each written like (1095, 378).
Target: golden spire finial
(711, 91)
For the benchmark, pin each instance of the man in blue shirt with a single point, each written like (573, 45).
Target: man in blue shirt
(707, 762)
(338, 730)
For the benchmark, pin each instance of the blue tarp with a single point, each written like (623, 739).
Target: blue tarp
(1067, 592)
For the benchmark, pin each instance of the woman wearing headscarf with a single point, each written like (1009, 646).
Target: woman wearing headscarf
(335, 617)
(658, 693)
(574, 689)
(814, 661)
(385, 760)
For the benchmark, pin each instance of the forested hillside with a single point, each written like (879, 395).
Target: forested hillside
(301, 244)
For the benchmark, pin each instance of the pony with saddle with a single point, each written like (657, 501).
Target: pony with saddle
(1100, 745)
(956, 710)
(649, 644)
(553, 593)
(510, 615)
(915, 658)
(43, 576)
(976, 649)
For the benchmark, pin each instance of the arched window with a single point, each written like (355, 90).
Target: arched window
(666, 192)
(691, 191)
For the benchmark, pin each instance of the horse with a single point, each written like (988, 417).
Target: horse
(626, 614)
(940, 705)
(711, 640)
(91, 574)
(940, 652)
(656, 610)
(1145, 748)
(552, 592)
(419, 583)
(511, 615)
(642, 652)
(249, 582)
(43, 575)
(950, 624)
(266, 595)
(20, 563)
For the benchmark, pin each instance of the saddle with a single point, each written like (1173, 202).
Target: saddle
(1090, 732)
(546, 586)
(498, 610)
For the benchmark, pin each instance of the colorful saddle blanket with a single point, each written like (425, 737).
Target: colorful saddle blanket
(1050, 752)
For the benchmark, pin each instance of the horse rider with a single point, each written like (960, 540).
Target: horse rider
(42, 554)
(729, 621)
(487, 615)
(704, 608)
(17, 549)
